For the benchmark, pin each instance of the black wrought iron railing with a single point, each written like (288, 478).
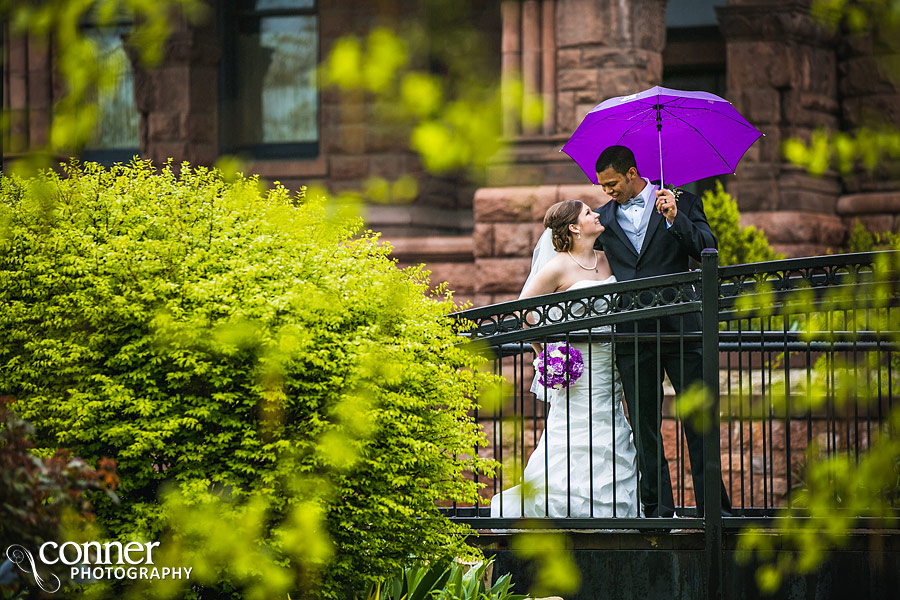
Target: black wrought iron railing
(799, 358)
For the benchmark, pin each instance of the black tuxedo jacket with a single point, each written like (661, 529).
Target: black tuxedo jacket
(665, 251)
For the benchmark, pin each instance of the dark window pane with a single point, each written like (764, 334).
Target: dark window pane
(269, 103)
(276, 100)
(282, 4)
(692, 13)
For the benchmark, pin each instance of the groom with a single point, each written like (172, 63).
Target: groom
(649, 233)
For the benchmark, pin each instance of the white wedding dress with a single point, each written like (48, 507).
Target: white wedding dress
(585, 463)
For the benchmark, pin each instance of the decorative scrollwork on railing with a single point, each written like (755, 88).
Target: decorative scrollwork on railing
(781, 278)
(584, 307)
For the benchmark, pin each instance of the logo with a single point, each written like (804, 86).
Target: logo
(18, 555)
(90, 562)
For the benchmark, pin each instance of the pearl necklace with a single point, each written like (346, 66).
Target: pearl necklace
(594, 268)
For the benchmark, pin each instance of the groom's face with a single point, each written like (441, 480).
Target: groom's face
(622, 187)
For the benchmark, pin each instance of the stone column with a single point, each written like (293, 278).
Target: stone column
(782, 76)
(606, 48)
(575, 54)
(16, 92)
(529, 53)
(531, 56)
(28, 93)
(178, 98)
(510, 62)
(548, 65)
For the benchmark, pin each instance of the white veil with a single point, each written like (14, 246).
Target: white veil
(542, 254)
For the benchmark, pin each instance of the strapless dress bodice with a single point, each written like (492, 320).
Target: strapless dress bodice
(585, 283)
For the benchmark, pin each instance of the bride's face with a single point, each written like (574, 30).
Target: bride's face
(588, 222)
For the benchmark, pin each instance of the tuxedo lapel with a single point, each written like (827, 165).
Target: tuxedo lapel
(655, 223)
(613, 225)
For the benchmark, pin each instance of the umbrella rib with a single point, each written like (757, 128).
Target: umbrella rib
(637, 121)
(634, 127)
(744, 124)
(703, 137)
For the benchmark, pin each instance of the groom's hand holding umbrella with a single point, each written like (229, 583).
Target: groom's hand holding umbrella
(665, 204)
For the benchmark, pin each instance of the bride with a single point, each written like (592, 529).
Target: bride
(585, 462)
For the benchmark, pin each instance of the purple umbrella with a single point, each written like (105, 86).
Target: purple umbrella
(692, 134)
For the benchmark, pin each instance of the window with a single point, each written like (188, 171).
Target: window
(269, 103)
(117, 132)
(692, 13)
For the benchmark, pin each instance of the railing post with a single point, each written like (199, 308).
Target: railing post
(709, 299)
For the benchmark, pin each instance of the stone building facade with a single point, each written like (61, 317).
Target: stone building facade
(782, 70)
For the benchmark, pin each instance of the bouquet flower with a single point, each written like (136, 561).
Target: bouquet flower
(558, 366)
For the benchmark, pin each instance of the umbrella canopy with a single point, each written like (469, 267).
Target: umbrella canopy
(687, 135)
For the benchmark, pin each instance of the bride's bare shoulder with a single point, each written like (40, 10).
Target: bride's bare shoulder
(549, 279)
(554, 268)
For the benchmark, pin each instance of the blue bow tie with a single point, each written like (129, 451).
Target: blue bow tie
(636, 201)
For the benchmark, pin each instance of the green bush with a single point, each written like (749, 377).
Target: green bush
(737, 245)
(863, 240)
(456, 582)
(234, 343)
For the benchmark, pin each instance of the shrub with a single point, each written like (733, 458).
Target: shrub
(38, 494)
(41, 499)
(456, 582)
(235, 343)
(863, 240)
(737, 245)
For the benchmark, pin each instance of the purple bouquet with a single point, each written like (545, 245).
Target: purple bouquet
(555, 369)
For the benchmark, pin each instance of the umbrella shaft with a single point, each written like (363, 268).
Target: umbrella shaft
(662, 183)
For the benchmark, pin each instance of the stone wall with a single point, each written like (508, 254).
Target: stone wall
(28, 93)
(591, 51)
(508, 223)
(448, 258)
(359, 140)
(178, 98)
(782, 77)
(869, 98)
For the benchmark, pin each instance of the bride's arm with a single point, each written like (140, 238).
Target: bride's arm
(545, 282)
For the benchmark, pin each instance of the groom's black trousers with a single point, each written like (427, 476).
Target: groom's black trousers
(642, 379)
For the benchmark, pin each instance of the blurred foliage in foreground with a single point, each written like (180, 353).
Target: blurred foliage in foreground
(285, 407)
(838, 486)
(876, 142)
(434, 76)
(83, 70)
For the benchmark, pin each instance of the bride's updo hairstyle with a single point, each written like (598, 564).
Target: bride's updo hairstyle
(558, 218)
